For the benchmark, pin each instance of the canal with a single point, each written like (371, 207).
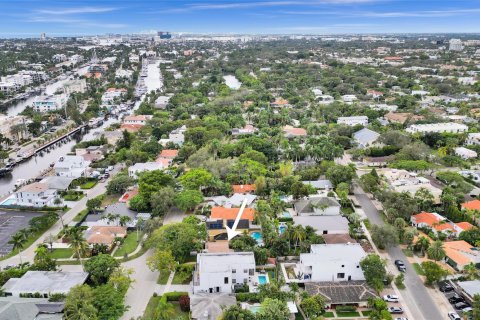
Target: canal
(32, 167)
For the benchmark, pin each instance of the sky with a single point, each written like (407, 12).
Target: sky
(27, 18)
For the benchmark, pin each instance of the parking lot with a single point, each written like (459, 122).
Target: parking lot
(450, 294)
(10, 223)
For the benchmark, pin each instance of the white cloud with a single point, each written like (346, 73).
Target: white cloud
(78, 10)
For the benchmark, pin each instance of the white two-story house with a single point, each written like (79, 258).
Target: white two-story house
(219, 272)
(332, 262)
(36, 195)
(353, 121)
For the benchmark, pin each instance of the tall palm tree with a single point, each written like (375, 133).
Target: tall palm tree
(436, 251)
(18, 241)
(471, 271)
(298, 234)
(77, 242)
(422, 244)
(124, 220)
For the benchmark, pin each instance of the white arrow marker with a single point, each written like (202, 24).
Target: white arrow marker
(232, 233)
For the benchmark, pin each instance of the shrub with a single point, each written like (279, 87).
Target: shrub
(184, 302)
(174, 296)
(346, 309)
(248, 297)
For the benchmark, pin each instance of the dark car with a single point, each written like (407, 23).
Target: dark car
(400, 265)
(456, 299)
(461, 305)
(446, 287)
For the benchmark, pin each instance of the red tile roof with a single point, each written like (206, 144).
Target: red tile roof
(131, 127)
(243, 188)
(426, 217)
(231, 213)
(169, 153)
(472, 205)
(465, 225)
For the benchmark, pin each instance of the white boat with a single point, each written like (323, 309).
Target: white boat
(20, 182)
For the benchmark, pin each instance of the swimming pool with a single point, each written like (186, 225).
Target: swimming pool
(262, 279)
(282, 229)
(254, 309)
(8, 202)
(257, 236)
(285, 214)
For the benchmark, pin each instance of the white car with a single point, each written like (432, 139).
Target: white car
(390, 298)
(454, 316)
(109, 168)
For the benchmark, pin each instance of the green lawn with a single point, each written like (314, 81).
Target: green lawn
(88, 185)
(81, 215)
(152, 305)
(366, 313)
(61, 253)
(418, 269)
(128, 246)
(329, 315)
(348, 314)
(163, 277)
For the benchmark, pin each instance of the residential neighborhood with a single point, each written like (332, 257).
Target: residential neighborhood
(160, 175)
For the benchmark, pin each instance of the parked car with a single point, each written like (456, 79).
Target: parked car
(109, 168)
(456, 299)
(395, 310)
(461, 305)
(446, 287)
(400, 265)
(390, 298)
(454, 316)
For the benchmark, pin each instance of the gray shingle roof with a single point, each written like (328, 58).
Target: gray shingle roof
(209, 306)
(343, 292)
(306, 205)
(365, 136)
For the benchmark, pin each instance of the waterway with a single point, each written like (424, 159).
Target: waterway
(33, 167)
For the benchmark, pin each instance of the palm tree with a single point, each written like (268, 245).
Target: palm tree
(124, 220)
(77, 242)
(422, 244)
(18, 241)
(436, 251)
(298, 234)
(41, 253)
(471, 271)
(50, 239)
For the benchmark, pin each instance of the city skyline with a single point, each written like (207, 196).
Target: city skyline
(27, 18)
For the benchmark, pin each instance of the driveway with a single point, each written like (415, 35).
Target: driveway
(415, 295)
(142, 289)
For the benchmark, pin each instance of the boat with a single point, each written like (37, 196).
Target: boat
(20, 182)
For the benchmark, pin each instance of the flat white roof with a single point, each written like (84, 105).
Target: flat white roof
(223, 262)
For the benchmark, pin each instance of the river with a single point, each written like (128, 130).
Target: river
(32, 167)
(19, 106)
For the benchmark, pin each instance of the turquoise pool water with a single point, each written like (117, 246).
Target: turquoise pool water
(282, 229)
(257, 236)
(8, 202)
(286, 214)
(254, 309)
(262, 279)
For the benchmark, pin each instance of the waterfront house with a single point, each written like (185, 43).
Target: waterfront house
(36, 194)
(71, 166)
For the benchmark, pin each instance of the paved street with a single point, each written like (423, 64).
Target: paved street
(142, 289)
(29, 253)
(415, 295)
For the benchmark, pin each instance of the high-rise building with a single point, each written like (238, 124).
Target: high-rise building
(164, 35)
(455, 45)
(43, 36)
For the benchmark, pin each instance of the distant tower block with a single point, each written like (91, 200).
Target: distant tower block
(94, 59)
(43, 36)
